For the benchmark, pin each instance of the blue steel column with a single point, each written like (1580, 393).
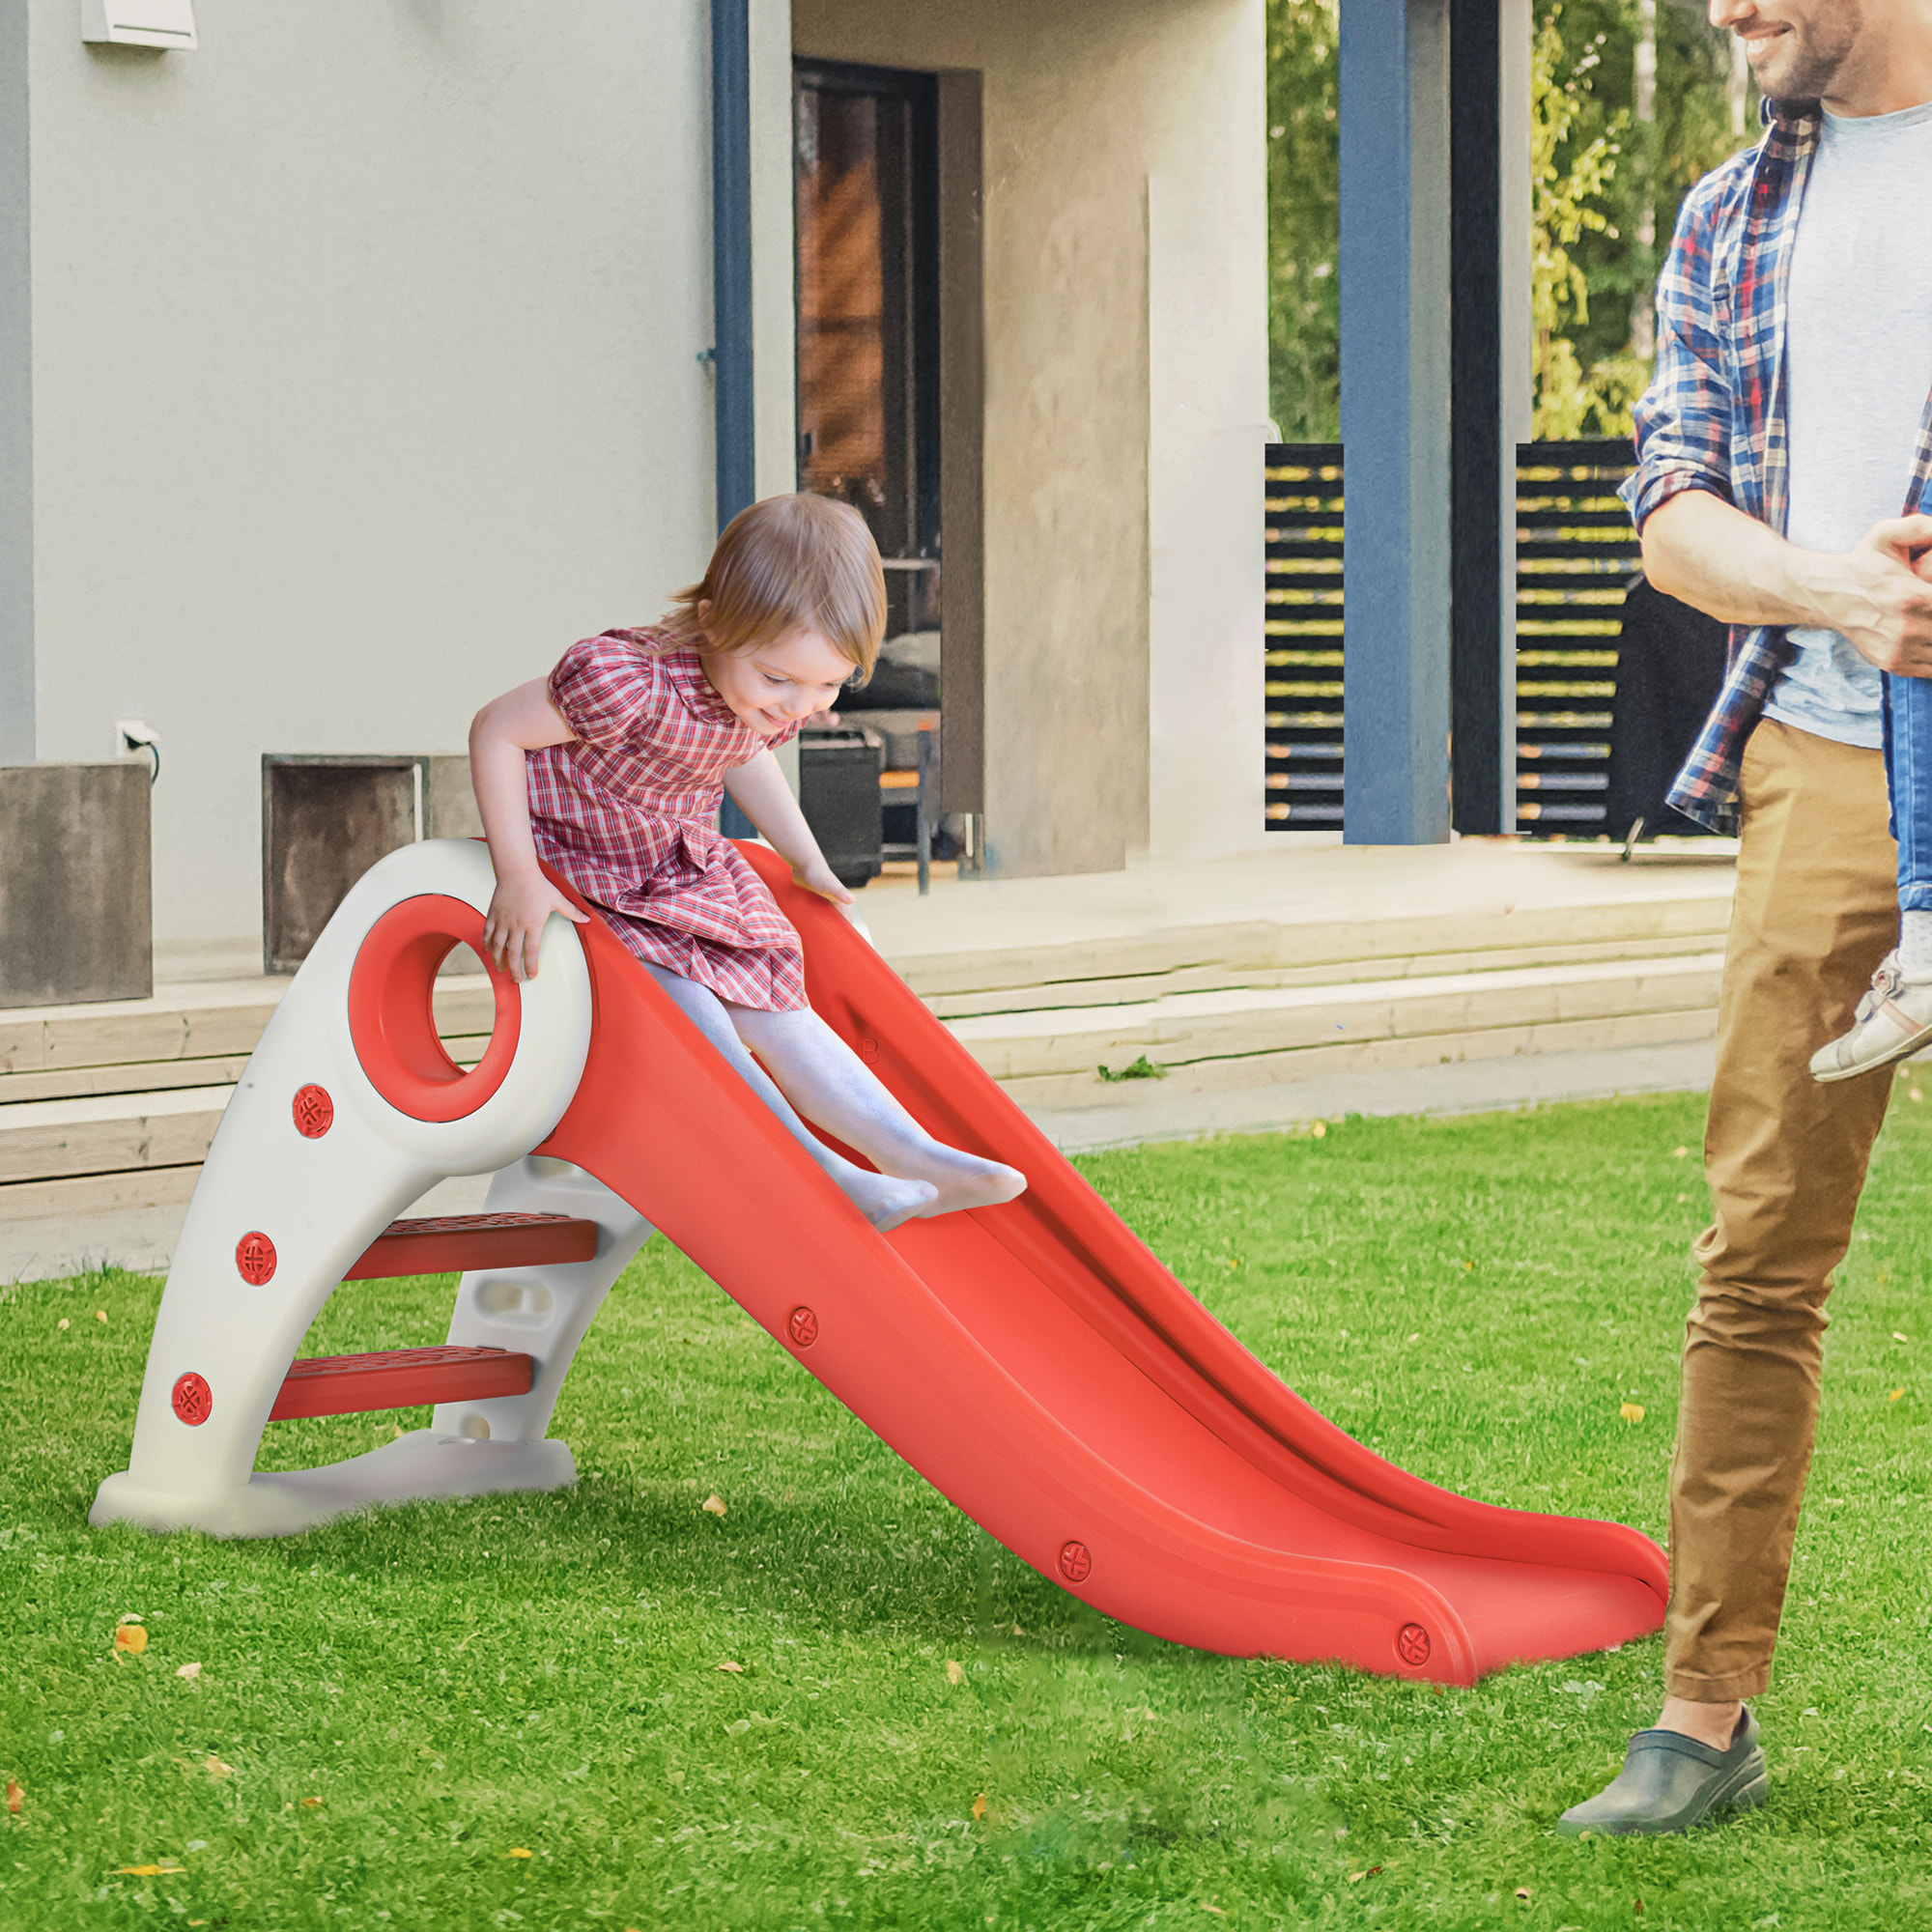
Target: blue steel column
(1394, 86)
(731, 253)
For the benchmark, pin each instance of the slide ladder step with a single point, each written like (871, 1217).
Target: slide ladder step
(450, 1243)
(400, 1379)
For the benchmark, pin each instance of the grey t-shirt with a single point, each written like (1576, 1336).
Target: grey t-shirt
(1857, 362)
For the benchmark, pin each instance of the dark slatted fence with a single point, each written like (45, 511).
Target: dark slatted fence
(1304, 637)
(1575, 551)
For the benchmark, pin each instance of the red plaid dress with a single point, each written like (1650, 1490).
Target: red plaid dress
(628, 813)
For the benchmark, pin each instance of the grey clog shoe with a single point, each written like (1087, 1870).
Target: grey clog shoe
(1670, 1782)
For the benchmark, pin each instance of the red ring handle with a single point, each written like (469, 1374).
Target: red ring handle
(392, 1020)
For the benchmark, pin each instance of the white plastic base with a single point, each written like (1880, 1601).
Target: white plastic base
(423, 1465)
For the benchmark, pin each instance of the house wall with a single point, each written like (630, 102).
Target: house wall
(1126, 381)
(364, 377)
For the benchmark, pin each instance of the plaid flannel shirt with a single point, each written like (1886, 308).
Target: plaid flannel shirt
(1713, 416)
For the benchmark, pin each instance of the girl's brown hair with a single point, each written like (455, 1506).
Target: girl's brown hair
(786, 563)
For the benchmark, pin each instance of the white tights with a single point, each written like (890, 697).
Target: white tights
(808, 1067)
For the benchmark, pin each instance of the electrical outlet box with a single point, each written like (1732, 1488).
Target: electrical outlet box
(139, 23)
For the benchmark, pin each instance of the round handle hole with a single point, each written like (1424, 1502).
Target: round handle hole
(392, 1011)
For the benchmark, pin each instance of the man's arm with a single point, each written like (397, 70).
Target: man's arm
(1708, 553)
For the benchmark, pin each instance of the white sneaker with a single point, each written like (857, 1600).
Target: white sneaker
(1894, 1021)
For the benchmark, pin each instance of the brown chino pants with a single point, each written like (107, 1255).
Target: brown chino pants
(1816, 910)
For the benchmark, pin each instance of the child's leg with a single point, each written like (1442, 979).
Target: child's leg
(884, 1199)
(831, 1085)
(1893, 1021)
(1907, 745)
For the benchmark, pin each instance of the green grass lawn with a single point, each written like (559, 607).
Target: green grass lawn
(511, 1711)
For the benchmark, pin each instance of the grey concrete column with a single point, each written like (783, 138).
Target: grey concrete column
(1394, 85)
(1490, 380)
(17, 400)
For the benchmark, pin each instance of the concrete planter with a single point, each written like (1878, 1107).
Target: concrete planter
(76, 884)
(325, 820)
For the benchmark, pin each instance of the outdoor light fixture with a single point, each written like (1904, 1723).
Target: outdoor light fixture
(139, 23)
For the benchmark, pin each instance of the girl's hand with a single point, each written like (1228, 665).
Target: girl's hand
(816, 876)
(513, 931)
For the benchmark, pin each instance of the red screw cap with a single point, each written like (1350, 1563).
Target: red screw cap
(801, 1326)
(314, 1112)
(255, 1258)
(1076, 1562)
(1411, 1645)
(193, 1400)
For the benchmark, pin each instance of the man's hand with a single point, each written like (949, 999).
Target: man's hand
(816, 876)
(1882, 602)
(513, 931)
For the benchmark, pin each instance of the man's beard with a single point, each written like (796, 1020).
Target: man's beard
(1808, 62)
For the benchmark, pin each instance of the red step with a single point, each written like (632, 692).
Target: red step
(450, 1243)
(401, 1378)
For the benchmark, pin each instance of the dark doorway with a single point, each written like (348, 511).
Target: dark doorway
(867, 180)
(867, 176)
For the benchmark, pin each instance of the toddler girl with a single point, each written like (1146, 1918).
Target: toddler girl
(612, 769)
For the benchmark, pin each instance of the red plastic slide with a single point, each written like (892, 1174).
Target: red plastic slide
(1039, 1366)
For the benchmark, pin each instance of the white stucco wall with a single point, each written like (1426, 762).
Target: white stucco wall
(1126, 385)
(365, 377)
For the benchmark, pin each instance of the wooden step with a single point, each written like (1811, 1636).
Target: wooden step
(452, 1243)
(401, 1378)
(1184, 1029)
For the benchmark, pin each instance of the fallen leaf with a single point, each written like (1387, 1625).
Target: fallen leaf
(131, 1638)
(1676, 1153)
(145, 1871)
(1219, 1911)
(64, 1322)
(1631, 1411)
(1319, 1130)
(214, 1768)
(1897, 1337)
(1374, 1871)
(1355, 1877)
(979, 1806)
(713, 1505)
(1916, 1093)
(1639, 1907)
(517, 1852)
(1894, 1395)
(190, 1671)
(1017, 1632)
(15, 1797)
(311, 1801)
(736, 1669)
(956, 1673)
(101, 1315)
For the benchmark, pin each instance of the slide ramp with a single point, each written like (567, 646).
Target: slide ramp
(1038, 1365)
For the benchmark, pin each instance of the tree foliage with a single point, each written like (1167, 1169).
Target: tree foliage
(1594, 165)
(1305, 221)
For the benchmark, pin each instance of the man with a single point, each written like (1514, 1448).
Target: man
(1784, 433)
